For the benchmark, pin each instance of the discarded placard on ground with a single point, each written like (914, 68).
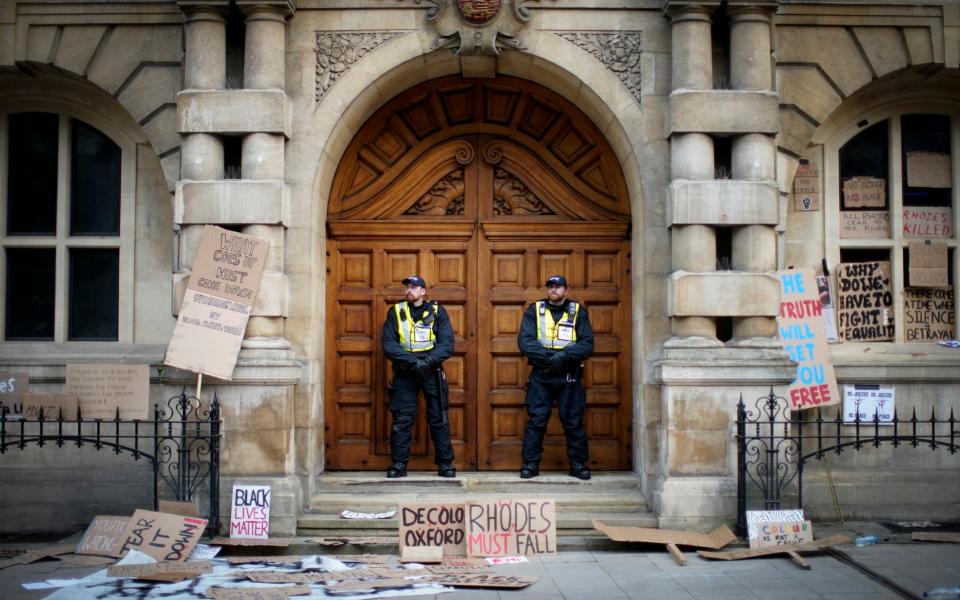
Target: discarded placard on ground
(421, 554)
(270, 593)
(757, 517)
(349, 514)
(162, 536)
(250, 512)
(936, 536)
(357, 541)
(508, 527)
(86, 560)
(197, 567)
(309, 577)
(270, 542)
(204, 552)
(239, 560)
(505, 560)
(373, 584)
(833, 540)
(378, 559)
(186, 508)
(718, 538)
(104, 536)
(782, 534)
(444, 569)
(439, 524)
(483, 580)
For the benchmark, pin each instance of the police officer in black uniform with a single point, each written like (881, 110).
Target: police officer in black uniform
(417, 338)
(556, 337)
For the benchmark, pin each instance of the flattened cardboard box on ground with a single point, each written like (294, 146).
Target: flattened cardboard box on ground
(271, 593)
(194, 567)
(718, 538)
(163, 536)
(104, 536)
(269, 542)
(815, 545)
(483, 580)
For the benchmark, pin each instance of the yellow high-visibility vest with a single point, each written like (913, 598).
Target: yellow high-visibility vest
(416, 336)
(556, 334)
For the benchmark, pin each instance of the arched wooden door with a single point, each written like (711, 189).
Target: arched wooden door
(484, 188)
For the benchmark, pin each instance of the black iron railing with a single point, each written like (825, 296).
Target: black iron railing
(773, 446)
(182, 443)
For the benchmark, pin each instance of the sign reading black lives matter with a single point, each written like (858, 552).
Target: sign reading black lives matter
(865, 302)
(215, 310)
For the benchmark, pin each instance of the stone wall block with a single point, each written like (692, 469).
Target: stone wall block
(127, 47)
(723, 202)
(40, 40)
(919, 45)
(806, 87)
(161, 130)
(723, 111)
(171, 170)
(152, 87)
(884, 47)
(77, 45)
(795, 133)
(832, 48)
(255, 452)
(232, 202)
(258, 407)
(723, 294)
(696, 452)
(233, 112)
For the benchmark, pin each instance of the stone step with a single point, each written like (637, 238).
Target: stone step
(303, 546)
(600, 502)
(375, 481)
(569, 523)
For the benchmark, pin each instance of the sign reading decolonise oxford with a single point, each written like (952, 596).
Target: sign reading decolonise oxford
(805, 339)
(216, 307)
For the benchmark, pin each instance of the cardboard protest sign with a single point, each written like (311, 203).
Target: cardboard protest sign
(507, 527)
(861, 192)
(433, 524)
(928, 314)
(718, 538)
(104, 536)
(267, 542)
(51, 406)
(929, 170)
(806, 187)
(103, 388)
(223, 286)
(833, 540)
(195, 567)
(283, 558)
(421, 554)
(483, 580)
(858, 224)
(928, 264)
(187, 508)
(928, 221)
(804, 337)
(756, 518)
(162, 536)
(12, 385)
(869, 402)
(865, 302)
(250, 512)
(779, 534)
(270, 593)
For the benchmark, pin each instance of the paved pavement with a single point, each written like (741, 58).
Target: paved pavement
(648, 572)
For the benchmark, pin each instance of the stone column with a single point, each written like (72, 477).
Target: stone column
(753, 156)
(691, 155)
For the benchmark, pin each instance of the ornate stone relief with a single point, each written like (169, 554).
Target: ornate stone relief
(444, 198)
(619, 51)
(478, 27)
(337, 51)
(512, 198)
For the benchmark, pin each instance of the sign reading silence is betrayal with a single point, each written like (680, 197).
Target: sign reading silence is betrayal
(216, 307)
(804, 337)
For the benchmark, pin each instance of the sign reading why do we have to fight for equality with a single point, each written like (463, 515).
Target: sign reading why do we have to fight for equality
(223, 286)
(805, 339)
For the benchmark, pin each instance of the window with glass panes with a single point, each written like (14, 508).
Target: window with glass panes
(892, 185)
(61, 229)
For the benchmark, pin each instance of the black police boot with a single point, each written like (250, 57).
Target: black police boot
(397, 469)
(446, 470)
(529, 470)
(580, 471)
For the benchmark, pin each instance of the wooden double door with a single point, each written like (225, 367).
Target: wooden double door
(485, 218)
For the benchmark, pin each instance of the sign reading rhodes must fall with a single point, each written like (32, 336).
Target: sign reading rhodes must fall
(216, 307)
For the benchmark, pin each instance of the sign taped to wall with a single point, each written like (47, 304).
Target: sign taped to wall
(101, 389)
(859, 192)
(869, 402)
(928, 314)
(865, 302)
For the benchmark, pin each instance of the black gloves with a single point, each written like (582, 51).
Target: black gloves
(554, 364)
(423, 368)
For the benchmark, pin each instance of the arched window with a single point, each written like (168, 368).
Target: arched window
(892, 181)
(65, 212)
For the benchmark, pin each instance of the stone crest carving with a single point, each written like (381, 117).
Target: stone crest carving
(619, 51)
(478, 27)
(337, 51)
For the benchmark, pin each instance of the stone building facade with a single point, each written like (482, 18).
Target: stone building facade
(645, 148)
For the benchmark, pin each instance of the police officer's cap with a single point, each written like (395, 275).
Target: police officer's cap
(415, 280)
(556, 280)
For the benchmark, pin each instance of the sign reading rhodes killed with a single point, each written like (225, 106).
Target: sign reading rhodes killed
(222, 289)
(511, 527)
(865, 303)
(804, 337)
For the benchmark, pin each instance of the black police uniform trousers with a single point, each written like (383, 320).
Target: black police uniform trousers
(403, 404)
(542, 388)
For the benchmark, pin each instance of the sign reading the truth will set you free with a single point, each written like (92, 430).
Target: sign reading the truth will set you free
(805, 339)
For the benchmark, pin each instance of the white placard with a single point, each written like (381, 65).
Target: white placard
(757, 517)
(250, 512)
(867, 401)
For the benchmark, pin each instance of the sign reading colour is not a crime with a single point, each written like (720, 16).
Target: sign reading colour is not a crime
(804, 337)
